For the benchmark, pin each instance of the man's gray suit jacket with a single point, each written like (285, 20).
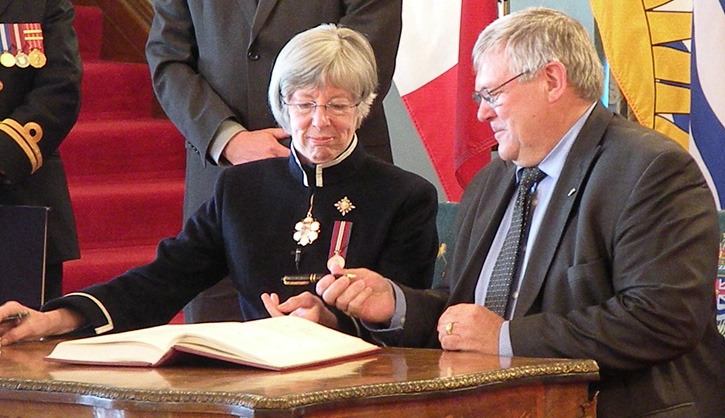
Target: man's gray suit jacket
(621, 272)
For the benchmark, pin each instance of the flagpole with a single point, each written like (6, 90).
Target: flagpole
(504, 8)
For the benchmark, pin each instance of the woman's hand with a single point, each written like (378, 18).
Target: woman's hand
(34, 325)
(305, 305)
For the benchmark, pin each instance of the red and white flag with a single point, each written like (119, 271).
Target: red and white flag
(435, 78)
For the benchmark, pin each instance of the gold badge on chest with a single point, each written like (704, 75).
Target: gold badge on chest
(344, 206)
(7, 59)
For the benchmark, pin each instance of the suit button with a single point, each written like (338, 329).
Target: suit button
(252, 56)
(1, 86)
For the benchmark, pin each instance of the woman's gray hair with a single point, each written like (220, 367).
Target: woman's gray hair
(535, 36)
(326, 55)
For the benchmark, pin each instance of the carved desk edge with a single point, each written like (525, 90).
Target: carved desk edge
(584, 370)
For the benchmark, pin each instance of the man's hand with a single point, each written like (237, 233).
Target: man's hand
(305, 305)
(36, 324)
(360, 293)
(469, 327)
(246, 146)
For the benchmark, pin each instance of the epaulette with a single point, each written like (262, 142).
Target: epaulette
(27, 138)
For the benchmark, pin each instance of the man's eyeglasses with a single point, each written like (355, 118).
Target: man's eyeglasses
(333, 108)
(490, 95)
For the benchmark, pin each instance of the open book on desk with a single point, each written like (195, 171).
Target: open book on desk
(278, 343)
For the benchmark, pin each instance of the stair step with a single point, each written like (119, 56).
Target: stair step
(127, 214)
(126, 93)
(125, 169)
(131, 149)
(102, 265)
(88, 24)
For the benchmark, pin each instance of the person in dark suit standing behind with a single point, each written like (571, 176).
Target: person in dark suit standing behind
(40, 82)
(211, 63)
(622, 249)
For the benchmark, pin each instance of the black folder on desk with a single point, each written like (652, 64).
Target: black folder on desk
(23, 239)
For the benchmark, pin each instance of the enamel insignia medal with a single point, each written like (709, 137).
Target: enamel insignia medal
(308, 229)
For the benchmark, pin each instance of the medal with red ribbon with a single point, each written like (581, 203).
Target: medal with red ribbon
(34, 38)
(21, 58)
(338, 244)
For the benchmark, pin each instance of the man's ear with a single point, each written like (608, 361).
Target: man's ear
(556, 80)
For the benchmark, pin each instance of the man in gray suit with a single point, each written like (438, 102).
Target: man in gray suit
(622, 250)
(211, 62)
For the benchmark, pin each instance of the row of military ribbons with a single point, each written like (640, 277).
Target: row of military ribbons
(22, 45)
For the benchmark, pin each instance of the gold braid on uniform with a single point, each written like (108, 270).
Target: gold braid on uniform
(27, 138)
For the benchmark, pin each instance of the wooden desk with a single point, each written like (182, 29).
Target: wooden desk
(394, 383)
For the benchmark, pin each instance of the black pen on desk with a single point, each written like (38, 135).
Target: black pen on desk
(15, 317)
(305, 279)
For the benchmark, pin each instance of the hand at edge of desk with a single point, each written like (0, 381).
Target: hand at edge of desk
(36, 324)
(469, 327)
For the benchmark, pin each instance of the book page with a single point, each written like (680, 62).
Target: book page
(274, 343)
(280, 342)
(131, 352)
(144, 346)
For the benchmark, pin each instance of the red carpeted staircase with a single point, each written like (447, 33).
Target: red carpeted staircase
(125, 168)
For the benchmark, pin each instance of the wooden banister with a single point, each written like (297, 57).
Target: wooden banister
(126, 26)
